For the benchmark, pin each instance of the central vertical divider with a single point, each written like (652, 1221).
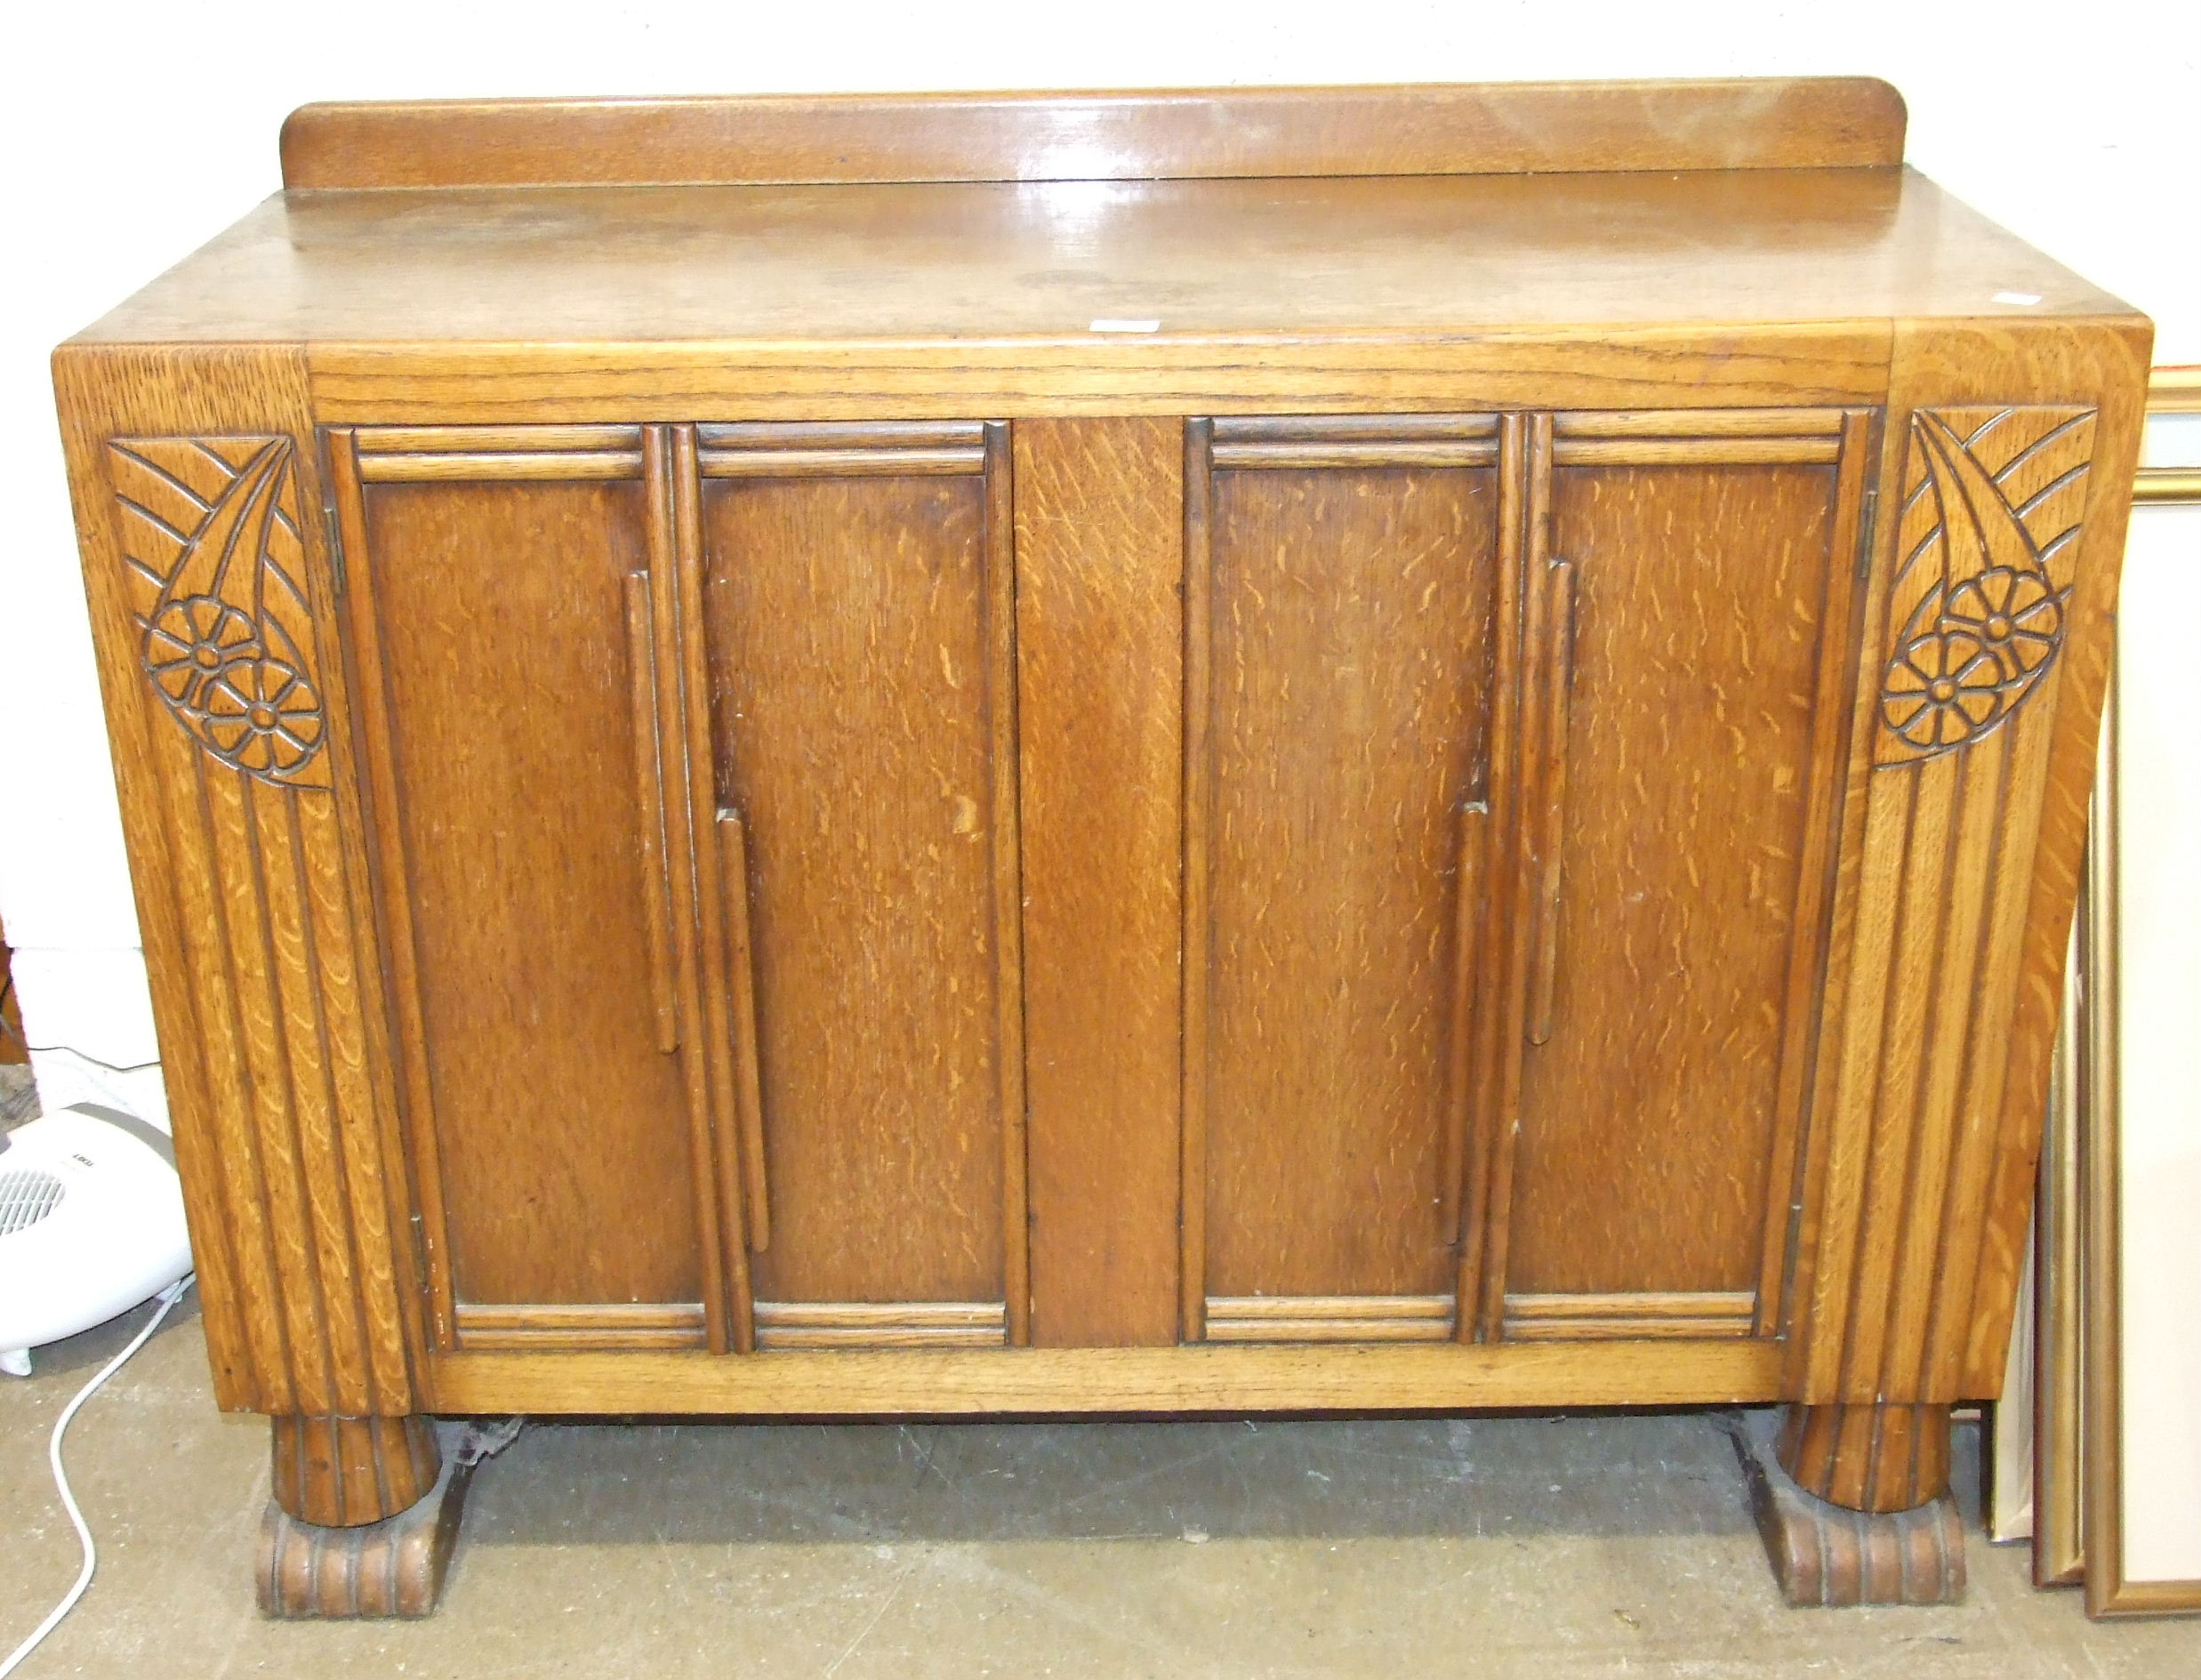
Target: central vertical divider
(1099, 517)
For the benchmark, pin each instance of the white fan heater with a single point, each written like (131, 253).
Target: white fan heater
(91, 1223)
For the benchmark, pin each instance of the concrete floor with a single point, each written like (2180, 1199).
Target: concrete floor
(1599, 1545)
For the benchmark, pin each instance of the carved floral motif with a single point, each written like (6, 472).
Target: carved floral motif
(1993, 501)
(211, 539)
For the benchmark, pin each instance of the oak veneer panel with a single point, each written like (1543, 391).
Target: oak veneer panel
(1350, 616)
(1701, 596)
(850, 636)
(559, 1125)
(1129, 136)
(1099, 540)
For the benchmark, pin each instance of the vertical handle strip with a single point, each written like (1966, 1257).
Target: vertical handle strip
(1493, 957)
(702, 812)
(726, 1318)
(1192, 1097)
(1551, 850)
(650, 788)
(747, 1084)
(1009, 898)
(1473, 860)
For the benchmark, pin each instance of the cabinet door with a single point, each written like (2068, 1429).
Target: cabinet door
(1343, 600)
(858, 611)
(1689, 690)
(505, 608)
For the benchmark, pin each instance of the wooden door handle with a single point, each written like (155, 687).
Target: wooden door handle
(1471, 883)
(748, 1085)
(1551, 847)
(650, 796)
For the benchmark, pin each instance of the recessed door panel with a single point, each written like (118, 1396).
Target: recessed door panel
(859, 654)
(549, 1112)
(1343, 601)
(1682, 864)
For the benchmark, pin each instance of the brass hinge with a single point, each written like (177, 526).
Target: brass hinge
(1866, 518)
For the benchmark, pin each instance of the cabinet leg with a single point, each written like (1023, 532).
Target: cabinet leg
(1868, 1457)
(1853, 1505)
(364, 1520)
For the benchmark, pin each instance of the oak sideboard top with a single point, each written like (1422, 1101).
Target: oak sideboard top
(928, 261)
(1535, 213)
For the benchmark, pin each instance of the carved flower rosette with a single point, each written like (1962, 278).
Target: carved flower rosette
(215, 559)
(1992, 506)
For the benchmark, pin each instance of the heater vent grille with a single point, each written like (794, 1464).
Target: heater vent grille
(26, 1197)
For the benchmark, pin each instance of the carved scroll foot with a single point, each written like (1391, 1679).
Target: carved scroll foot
(1828, 1555)
(365, 1512)
(391, 1568)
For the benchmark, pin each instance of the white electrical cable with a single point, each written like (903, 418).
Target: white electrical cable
(167, 1297)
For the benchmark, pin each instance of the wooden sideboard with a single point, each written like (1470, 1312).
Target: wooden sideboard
(1203, 751)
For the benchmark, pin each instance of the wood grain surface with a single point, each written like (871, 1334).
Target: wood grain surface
(557, 1120)
(1348, 686)
(1960, 857)
(1704, 592)
(1129, 136)
(1072, 372)
(783, 1325)
(726, 1063)
(1834, 1556)
(1868, 1457)
(266, 1001)
(391, 1569)
(394, 1568)
(611, 1326)
(567, 271)
(1099, 513)
(346, 1472)
(1229, 1380)
(852, 679)
(1629, 1313)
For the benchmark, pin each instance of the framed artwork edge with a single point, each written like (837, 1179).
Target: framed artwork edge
(2079, 1381)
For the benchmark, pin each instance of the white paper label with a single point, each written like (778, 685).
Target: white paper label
(2017, 297)
(1109, 324)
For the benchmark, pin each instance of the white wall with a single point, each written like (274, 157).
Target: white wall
(135, 132)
